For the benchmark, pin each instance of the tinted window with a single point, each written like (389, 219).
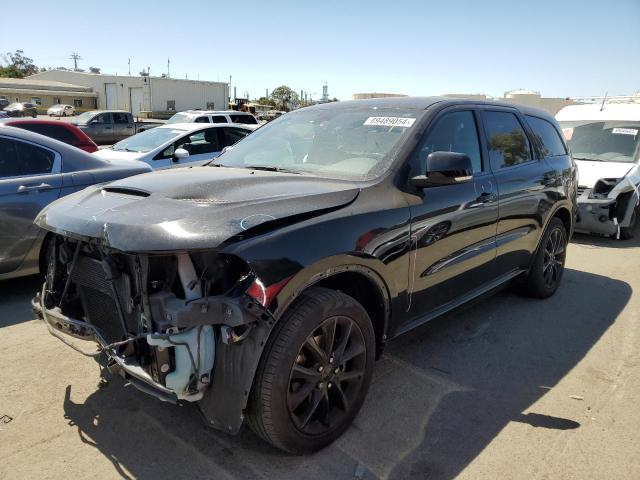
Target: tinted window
(247, 119)
(453, 132)
(34, 160)
(8, 160)
(19, 158)
(547, 137)
(233, 135)
(204, 141)
(507, 142)
(53, 131)
(218, 119)
(120, 118)
(104, 118)
(202, 120)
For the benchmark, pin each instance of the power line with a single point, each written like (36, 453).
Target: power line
(75, 57)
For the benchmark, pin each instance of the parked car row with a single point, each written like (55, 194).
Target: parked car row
(110, 126)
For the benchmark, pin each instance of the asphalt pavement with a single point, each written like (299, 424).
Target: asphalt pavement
(510, 387)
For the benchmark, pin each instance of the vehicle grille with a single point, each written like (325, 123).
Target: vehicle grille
(97, 298)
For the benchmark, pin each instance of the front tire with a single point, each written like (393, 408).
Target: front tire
(548, 264)
(314, 373)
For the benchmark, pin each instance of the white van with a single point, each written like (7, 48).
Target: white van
(213, 116)
(604, 140)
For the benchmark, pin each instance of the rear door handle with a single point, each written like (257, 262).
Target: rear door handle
(30, 188)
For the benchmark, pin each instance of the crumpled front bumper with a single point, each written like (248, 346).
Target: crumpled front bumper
(594, 215)
(65, 329)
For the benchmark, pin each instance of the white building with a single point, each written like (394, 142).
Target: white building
(155, 95)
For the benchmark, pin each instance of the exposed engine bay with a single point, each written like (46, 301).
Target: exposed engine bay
(159, 319)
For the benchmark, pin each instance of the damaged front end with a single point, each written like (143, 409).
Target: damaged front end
(177, 326)
(606, 208)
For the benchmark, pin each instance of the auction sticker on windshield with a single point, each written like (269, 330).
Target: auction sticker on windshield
(390, 121)
(625, 131)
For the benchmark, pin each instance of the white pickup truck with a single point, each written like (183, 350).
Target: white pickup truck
(604, 140)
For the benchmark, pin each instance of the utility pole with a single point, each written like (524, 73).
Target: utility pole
(75, 57)
(230, 77)
(168, 65)
(129, 63)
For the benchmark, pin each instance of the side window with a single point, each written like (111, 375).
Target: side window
(547, 137)
(233, 135)
(204, 141)
(103, 118)
(202, 120)
(34, 160)
(246, 119)
(120, 117)
(9, 166)
(453, 132)
(218, 119)
(506, 139)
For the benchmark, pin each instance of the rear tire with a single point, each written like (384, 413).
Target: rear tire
(627, 233)
(548, 264)
(314, 373)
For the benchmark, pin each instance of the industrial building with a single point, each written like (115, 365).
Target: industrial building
(45, 93)
(529, 98)
(364, 96)
(143, 95)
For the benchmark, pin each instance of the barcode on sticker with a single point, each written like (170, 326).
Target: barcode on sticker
(390, 121)
(625, 131)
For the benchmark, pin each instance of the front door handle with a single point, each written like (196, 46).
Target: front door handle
(30, 188)
(483, 199)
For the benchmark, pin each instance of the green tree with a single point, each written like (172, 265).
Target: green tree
(284, 97)
(265, 101)
(16, 65)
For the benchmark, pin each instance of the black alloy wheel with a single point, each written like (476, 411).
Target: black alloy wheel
(548, 263)
(314, 372)
(326, 375)
(554, 255)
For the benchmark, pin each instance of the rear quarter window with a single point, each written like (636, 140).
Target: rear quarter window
(246, 119)
(546, 137)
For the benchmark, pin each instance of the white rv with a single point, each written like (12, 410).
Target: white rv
(604, 140)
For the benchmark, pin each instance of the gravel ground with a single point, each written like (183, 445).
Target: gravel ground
(508, 388)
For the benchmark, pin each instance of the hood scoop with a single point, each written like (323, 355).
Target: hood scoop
(126, 191)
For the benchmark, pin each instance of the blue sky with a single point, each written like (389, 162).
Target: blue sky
(561, 48)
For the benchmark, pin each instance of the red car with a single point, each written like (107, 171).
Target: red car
(63, 131)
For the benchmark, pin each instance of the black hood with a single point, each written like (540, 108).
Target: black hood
(190, 208)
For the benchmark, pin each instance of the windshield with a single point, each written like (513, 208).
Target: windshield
(147, 140)
(615, 141)
(349, 144)
(57, 105)
(84, 117)
(179, 118)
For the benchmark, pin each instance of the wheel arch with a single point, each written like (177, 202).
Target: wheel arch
(360, 282)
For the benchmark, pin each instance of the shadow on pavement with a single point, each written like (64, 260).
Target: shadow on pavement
(440, 395)
(16, 295)
(596, 241)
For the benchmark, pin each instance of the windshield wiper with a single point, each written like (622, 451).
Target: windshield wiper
(271, 168)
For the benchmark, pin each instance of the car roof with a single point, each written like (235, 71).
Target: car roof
(596, 111)
(15, 121)
(423, 103)
(214, 112)
(74, 159)
(191, 126)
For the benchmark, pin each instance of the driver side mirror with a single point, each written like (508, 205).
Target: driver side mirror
(445, 168)
(180, 154)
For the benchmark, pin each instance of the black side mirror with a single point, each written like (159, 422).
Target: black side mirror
(445, 168)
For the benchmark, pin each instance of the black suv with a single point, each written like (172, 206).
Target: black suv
(18, 109)
(264, 285)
